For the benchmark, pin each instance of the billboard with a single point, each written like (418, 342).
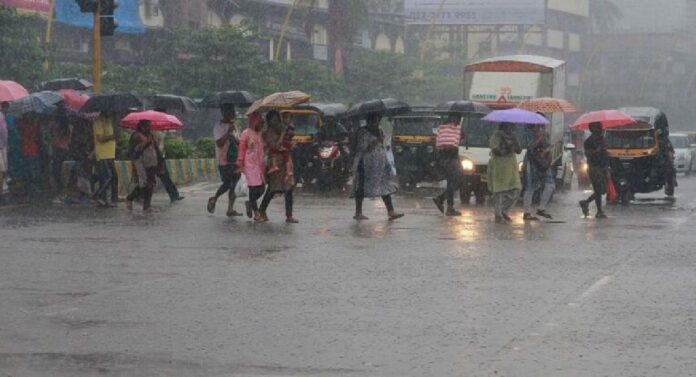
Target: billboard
(475, 12)
(32, 5)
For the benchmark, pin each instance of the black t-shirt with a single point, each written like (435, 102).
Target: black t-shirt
(596, 152)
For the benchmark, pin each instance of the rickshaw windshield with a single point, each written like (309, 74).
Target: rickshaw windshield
(640, 139)
(415, 126)
(305, 124)
(681, 142)
(478, 133)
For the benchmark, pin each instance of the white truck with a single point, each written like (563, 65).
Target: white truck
(502, 83)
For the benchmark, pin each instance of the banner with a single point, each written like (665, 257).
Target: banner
(127, 15)
(475, 12)
(33, 5)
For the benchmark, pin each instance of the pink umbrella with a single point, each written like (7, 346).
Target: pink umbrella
(608, 119)
(73, 99)
(11, 91)
(160, 121)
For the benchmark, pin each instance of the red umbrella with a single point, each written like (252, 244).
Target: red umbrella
(608, 119)
(160, 121)
(73, 99)
(11, 91)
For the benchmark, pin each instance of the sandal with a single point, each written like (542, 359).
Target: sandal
(249, 211)
(233, 213)
(211, 205)
(395, 216)
(291, 220)
(360, 217)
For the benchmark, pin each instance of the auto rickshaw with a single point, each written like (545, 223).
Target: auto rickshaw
(640, 159)
(413, 143)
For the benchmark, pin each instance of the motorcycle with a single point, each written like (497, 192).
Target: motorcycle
(332, 171)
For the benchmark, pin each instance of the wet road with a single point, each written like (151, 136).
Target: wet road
(88, 292)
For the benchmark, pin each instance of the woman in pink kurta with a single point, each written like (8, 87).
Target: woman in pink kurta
(250, 161)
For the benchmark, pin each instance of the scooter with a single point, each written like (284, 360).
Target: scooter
(332, 171)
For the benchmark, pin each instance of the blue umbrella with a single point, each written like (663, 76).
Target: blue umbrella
(515, 115)
(44, 103)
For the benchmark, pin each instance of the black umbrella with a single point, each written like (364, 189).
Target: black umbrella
(385, 107)
(171, 102)
(230, 97)
(462, 107)
(113, 102)
(73, 83)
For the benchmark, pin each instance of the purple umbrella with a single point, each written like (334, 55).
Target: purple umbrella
(515, 115)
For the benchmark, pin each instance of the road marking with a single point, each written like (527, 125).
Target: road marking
(596, 286)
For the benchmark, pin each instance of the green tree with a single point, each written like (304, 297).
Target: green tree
(22, 54)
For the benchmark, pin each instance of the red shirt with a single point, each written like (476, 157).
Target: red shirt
(29, 134)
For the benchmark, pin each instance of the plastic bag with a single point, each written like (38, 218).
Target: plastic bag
(242, 188)
(390, 161)
(611, 191)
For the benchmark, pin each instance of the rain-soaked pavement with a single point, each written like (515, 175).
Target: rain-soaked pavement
(106, 292)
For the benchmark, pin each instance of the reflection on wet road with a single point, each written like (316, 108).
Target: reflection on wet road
(183, 293)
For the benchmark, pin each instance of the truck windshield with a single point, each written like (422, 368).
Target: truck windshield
(478, 133)
(415, 125)
(305, 124)
(631, 139)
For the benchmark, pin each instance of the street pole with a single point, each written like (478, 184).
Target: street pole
(49, 30)
(96, 49)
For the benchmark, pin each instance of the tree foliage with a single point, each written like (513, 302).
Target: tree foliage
(21, 52)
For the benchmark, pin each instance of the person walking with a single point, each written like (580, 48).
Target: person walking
(280, 176)
(30, 139)
(449, 136)
(503, 177)
(598, 165)
(226, 137)
(105, 154)
(537, 174)
(143, 152)
(4, 166)
(372, 175)
(163, 171)
(250, 162)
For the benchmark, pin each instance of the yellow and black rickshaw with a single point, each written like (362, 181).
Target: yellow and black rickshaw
(640, 157)
(413, 142)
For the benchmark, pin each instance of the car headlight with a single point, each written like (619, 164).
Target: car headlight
(467, 165)
(584, 167)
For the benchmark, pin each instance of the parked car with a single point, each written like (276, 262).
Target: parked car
(683, 153)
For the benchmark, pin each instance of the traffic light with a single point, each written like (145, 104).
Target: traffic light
(87, 6)
(107, 26)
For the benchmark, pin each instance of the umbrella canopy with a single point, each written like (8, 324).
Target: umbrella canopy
(548, 105)
(73, 83)
(73, 99)
(230, 97)
(114, 102)
(44, 103)
(160, 121)
(515, 115)
(384, 107)
(608, 119)
(280, 100)
(336, 110)
(171, 102)
(462, 107)
(11, 91)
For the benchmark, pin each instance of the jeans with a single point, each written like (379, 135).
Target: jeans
(166, 179)
(107, 178)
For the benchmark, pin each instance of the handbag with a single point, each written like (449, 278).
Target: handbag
(612, 195)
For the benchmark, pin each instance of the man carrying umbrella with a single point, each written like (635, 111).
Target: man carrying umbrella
(105, 154)
(143, 152)
(537, 173)
(598, 164)
(226, 137)
(447, 143)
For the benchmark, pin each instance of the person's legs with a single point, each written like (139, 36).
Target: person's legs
(387, 199)
(289, 201)
(546, 195)
(113, 183)
(59, 157)
(527, 200)
(102, 177)
(509, 200)
(151, 181)
(169, 186)
(266, 200)
(226, 175)
(232, 197)
(498, 205)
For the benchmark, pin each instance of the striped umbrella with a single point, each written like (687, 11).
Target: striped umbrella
(44, 103)
(548, 105)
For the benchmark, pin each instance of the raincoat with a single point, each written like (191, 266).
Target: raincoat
(251, 157)
(502, 170)
(373, 176)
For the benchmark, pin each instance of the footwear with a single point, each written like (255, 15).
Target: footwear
(101, 203)
(260, 218)
(263, 216)
(585, 207)
(211, 205)
(544, 214)
(360, 217)
(451, 212)
(439, 203)
(233, 213)
(178, 198)
(529, 217)
(247, 206)
(394, 215)
(291, 220)
(601, 215)
(507, 217)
